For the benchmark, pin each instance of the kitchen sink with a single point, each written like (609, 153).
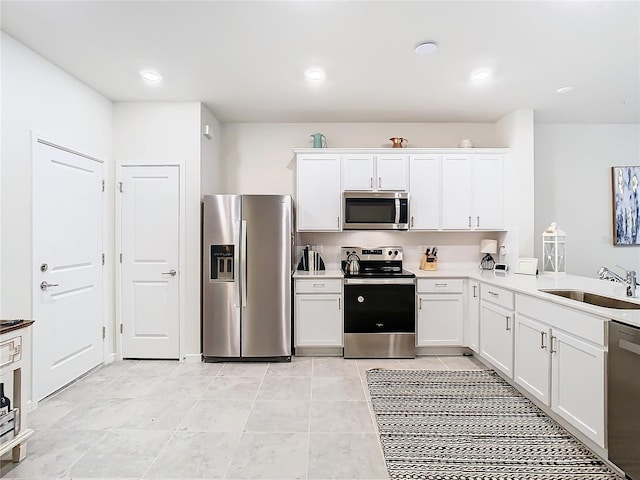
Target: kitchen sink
(594, 299)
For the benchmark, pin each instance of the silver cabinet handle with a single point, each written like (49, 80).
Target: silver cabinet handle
(379, 182)
(338, 221)
(371, 182)
(339, 303)
(475, 293)
(420, 304)
(441, 284)
(494, 294)
(171, 272)
(469, 222)
(552, 339)
(508, 318)
(45, 285)
(477, 221)
(542, 334)
(411, 221)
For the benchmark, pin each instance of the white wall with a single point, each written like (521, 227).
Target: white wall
(573, 187)
(211, 170)
(163, 133)
(259, 159)
(517, 130)
(38, 96)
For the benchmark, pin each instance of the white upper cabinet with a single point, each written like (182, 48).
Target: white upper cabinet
(358, 172)
(456, 192)
(472, 192)
(318, 195)
(369, 172)
(392, 172)
(424, 187)
(488, 188)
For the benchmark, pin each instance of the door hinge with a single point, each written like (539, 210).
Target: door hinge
(104, 332)
(120, 258)
(120, 187)
(103, 259)
(120, 328)
(103, 185)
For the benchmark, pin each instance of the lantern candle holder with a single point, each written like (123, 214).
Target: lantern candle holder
(553, 250)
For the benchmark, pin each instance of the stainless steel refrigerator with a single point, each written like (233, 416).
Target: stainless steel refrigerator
(247, 265)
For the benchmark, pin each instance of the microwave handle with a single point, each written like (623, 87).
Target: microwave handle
(397, 211)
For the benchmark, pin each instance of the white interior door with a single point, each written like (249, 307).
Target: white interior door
(67, 267)
(150, 253)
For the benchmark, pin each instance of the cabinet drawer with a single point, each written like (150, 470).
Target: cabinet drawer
(440, 285)
(327, 285)
(497, 295)
(10, 351)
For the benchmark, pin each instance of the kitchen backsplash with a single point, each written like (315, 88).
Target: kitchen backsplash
(461, 249)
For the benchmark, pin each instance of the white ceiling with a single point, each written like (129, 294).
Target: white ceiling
(245, 60)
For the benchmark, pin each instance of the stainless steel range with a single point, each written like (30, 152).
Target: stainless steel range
(379, 304)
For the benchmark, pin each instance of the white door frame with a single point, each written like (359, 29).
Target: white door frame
(37, 137)
(181, 250)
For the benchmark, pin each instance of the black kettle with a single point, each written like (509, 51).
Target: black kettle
(353, 264)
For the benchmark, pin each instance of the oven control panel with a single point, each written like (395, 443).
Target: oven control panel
(380, 254)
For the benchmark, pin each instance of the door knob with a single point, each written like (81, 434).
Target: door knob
(171, 272)
(45, 285)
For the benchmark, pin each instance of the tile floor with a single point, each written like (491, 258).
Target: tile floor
(308, 419)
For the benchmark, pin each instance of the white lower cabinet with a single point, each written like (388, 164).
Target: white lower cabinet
(440, 312)
(496, 337)
(496, 327)
(578, 384)
(318, 316)
(563, 370)
(532, 357)
(471, 330)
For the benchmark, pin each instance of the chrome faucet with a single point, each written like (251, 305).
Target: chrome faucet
(630, 281)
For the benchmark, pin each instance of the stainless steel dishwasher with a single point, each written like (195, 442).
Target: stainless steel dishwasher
(624, 398)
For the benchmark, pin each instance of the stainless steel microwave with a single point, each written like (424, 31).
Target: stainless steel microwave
(376, 210)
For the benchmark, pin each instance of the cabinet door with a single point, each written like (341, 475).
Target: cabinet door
(358, 172)
(488, 202)
(578, 384)
(318, 193)
(456, 192)
(318, 320)
(391, 172)
(496, 337)
(472, 318)
(424, 188)
(532, 367)
(440, 320)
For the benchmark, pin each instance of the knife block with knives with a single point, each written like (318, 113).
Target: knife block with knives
(430, 259)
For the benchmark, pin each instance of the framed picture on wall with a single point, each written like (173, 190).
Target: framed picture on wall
(626, 205)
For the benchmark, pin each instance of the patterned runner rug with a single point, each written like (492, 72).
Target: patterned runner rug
(471, 425)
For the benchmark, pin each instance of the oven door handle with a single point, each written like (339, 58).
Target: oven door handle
(379, 281)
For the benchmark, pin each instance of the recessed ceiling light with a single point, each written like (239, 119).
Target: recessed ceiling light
(481, 75)
(150, 76)
(314, 74)
(564, 89)
(426, 48)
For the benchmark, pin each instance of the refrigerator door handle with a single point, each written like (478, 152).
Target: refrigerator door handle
(243, 263)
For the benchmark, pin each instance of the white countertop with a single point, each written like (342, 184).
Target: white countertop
(528, 285)
(531, 285)
(331, 273)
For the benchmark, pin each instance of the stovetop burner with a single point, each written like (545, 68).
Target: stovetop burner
(375, 262)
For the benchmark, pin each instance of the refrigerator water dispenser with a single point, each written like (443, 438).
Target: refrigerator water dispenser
(222, 260)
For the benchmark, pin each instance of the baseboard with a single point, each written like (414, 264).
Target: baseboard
(112, 357)
(443, 351)
(192, 358)
(319, 352)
